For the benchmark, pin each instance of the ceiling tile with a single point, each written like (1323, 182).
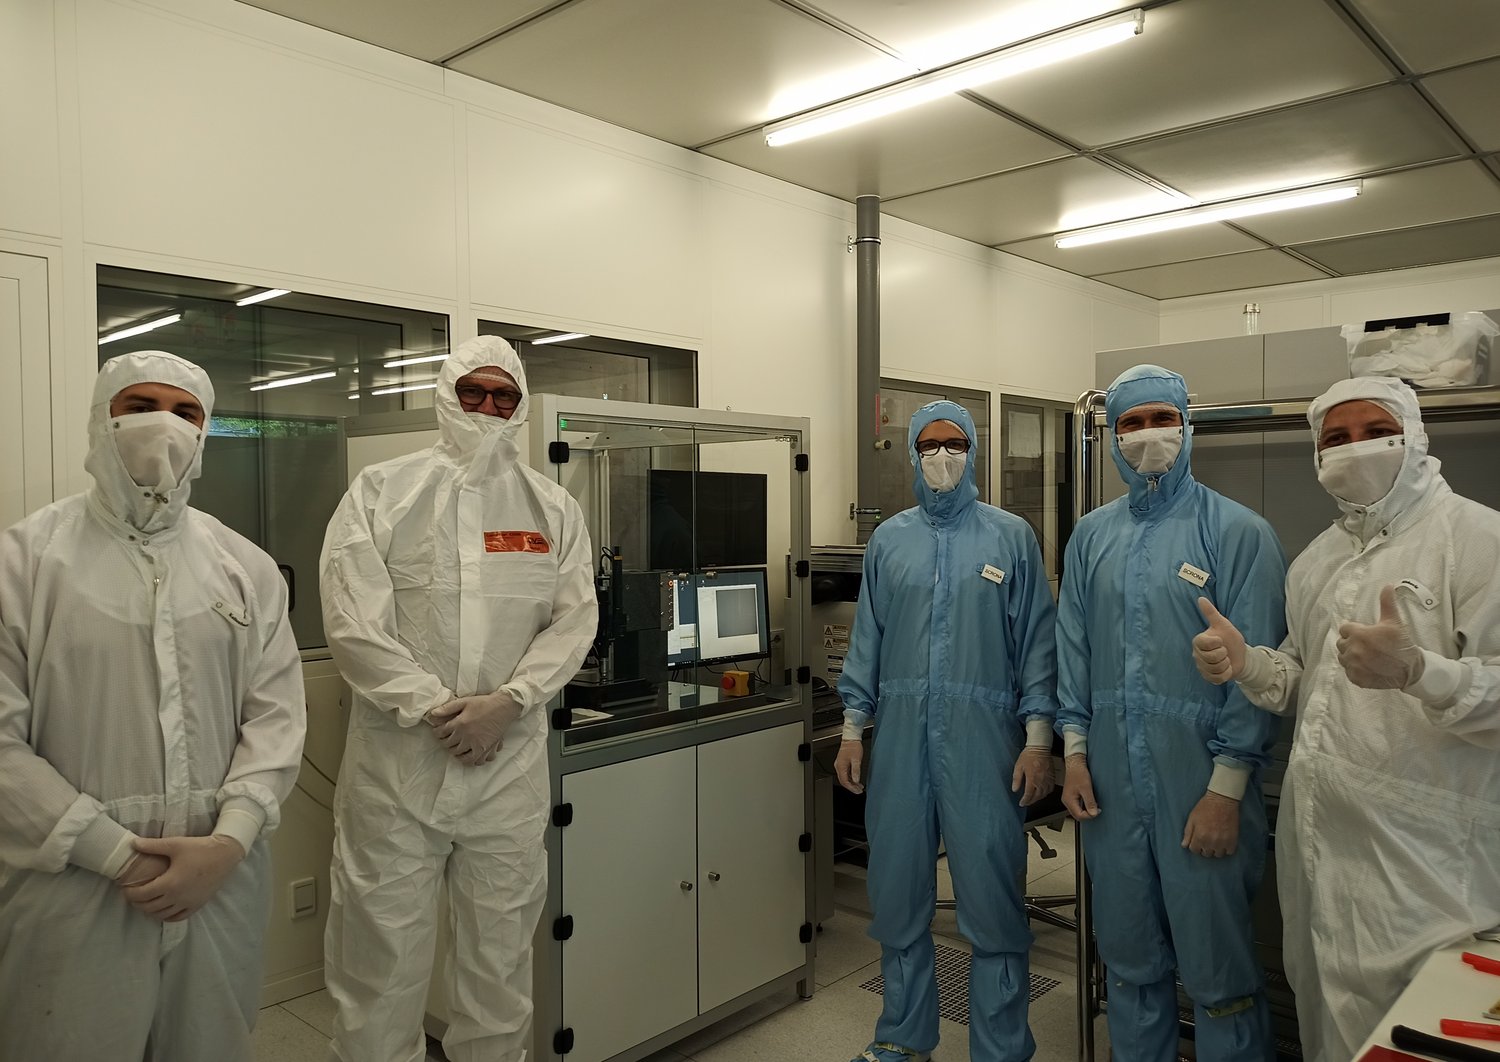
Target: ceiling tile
(1201, 241)
(1359, 133)
(939, 143)
(1457, 241)
(1394, 201)
(1253, 269)
(1432, 34)
(1031, 202)
(1471, 96)
(935, 32)
(1194, 62)
(685, 71)
(409, 28)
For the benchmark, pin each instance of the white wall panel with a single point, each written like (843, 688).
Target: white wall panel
(938, 312)
(30, 180)
(582, 234)
(783, 333)
(1044, 343)
(206, 145)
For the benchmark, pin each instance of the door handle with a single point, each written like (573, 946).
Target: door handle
(687, 886)
(713, 875)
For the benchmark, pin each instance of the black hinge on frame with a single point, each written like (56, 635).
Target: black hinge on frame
(804, 752)
(805, 933)
(804, 569)
(562, 815)
(803, 463)
(562, 718)
(562, 929)
(558, 452)
(804, 843)
(562, 1041)
(804, 675)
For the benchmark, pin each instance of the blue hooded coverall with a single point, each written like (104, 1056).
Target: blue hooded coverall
(951, 664)
(1127, 615)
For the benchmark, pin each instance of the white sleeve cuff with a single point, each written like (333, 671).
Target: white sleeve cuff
(855, 722)
(1260, 670)
(1075, 744)
(1229, 780)
(1039, 733)
(104, 847)
(240, 825)
(1443, 681)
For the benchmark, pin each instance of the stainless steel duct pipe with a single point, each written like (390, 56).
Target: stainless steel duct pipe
(866, 247)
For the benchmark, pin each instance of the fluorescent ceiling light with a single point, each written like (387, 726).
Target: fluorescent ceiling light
(289, 381)
(413, 361)
(262, 296)
(408, 387)
(135, 330)
(946, 80)
(558, 338)
(1203, 215)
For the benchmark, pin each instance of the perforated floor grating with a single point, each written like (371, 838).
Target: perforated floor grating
(953, 984)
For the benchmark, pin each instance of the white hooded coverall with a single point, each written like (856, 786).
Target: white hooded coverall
(1388, 840)
(149, 684)
(429, 593)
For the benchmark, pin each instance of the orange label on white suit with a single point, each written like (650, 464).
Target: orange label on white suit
(516, 542)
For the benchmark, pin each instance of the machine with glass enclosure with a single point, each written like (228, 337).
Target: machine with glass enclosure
(680, 875)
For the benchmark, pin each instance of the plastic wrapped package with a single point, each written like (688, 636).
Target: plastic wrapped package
(1423, 351)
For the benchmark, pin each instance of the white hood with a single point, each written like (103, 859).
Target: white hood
(475, 439)
(115, 494)
(1419, 470)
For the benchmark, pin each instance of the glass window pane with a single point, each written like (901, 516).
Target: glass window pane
(585, 366)
(898, 401)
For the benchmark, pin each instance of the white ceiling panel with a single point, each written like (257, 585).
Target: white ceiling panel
(1397, 200)
(934, 32)
(1046, 198)
(412, 29)
(1195, 61)
(1456, 241)
(1360, 133)
(939, 143)
(1250, 270)
(1471, 96)
(1433, 34)
(685, 71)
(1201, 241)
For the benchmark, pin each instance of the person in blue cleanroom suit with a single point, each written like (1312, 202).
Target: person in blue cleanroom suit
(1163, 768)
(953, 654)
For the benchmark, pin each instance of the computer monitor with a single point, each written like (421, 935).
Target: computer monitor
(719, 616)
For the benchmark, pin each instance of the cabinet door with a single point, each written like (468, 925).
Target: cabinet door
(630, 970)
(752, 876)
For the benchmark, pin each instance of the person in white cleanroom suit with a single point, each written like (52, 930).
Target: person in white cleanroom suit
(1388, 846)
(151, 724)
(458, 598)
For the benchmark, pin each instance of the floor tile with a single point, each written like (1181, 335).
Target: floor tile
(843, 946)
(281, 1036)
(316, 1008)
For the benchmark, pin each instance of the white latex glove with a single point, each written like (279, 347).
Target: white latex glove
(848, 764)
(472, 728)
(1034, 771)
(1381, 655)
(141, 868)
(1078, 789)
(1219, 652)
(1213, 827)
(198, 867)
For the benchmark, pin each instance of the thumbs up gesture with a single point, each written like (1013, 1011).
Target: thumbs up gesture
(1381, 655)
(1219, 651)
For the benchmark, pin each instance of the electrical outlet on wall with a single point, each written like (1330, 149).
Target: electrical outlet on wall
(304, 897)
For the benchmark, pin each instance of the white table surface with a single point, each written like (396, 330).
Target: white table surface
(1445, 987)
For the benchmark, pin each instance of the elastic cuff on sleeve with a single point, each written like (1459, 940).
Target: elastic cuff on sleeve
(1039, 733)
(103, 847)
(1075, 744)
(1443, 681)
(240, 825)
(1229, 780)
(855, 722)
(1260, 670)
(521, 694)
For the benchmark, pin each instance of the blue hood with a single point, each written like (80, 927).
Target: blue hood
(943, 507)
(1139, 386)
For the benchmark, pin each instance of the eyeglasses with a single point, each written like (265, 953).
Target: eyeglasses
(928, 447)
(473, 395)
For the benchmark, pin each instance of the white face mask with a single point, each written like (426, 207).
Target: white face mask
(942, 471)
(156, 448)
(1151, 451)
(1362, 473)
